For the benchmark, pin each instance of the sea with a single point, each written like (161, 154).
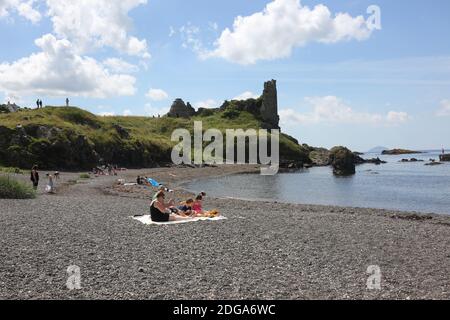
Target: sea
(404, 186)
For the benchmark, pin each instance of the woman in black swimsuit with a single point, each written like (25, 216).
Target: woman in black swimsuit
(158, 210)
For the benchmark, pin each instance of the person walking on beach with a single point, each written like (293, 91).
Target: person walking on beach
(35, 177)
(51, 185)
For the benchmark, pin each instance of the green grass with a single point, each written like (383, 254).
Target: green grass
(11, 170)
(85, 176)
(147, 137)
(13, 189)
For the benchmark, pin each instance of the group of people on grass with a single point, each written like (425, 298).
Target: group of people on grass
(162, 211)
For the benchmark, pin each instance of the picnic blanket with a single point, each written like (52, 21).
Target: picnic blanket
(147, 220)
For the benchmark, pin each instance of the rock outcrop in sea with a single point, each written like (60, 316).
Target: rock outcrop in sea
(343, 161)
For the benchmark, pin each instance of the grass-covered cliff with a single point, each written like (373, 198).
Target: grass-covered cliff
(71, 138)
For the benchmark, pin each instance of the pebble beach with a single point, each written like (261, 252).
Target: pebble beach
(264, 250)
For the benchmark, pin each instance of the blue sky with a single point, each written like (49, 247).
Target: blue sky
(339, 83)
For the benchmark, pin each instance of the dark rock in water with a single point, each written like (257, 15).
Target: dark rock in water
(180, 110)
(376, 161)
(434, 163)
(399, 151)
(444, 157)
(411, 160)
(343, 161)
(291, 165)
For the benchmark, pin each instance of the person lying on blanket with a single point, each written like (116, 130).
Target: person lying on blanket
(160, 212)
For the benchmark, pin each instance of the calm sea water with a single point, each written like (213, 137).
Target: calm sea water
(395, 185)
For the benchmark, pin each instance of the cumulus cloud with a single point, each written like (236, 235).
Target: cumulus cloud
(95, 24)
(444, 109)
(25, 9)
(157, 94)
(207, 104)
(333, 110)
(59, 71)
(119, 65)
(283, 25)
(246, 95)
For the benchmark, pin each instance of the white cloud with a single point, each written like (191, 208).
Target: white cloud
(119, 65)
(172, 31)
(207, 104)
(397, 117)
(444, 109)
(59, 71)
(95, 24)
(190, 36)
(127, 112)
(23, 8)
(282, 26)
(107, 114)
(333, 110)
(246, 95)
(157, 94)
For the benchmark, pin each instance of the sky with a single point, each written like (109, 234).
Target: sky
(346, 75)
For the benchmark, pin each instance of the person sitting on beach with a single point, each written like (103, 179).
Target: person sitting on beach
(160, 212)
(185, 209)
(139, 180)
(197, 206)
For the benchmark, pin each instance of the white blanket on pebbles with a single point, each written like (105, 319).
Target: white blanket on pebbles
(147, 220)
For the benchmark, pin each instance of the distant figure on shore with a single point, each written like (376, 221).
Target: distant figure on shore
(40, 104)
(50, 186)
(37, 103)
(443, 150)
(67, 102)
(35, 177)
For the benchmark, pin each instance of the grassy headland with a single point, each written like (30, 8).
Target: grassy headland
(72, 138)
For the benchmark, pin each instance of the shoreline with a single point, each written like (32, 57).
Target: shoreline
(264, 250)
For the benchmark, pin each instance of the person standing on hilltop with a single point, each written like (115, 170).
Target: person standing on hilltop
(67, 102)
(35, 177)
(37, 103)
(40, 104)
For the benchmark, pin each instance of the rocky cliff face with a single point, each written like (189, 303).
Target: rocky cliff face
(269, 107)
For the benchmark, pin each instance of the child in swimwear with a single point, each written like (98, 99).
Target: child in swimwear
(197, 206)
(185, 209)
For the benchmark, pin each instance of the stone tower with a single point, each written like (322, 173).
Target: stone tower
(269, 108)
